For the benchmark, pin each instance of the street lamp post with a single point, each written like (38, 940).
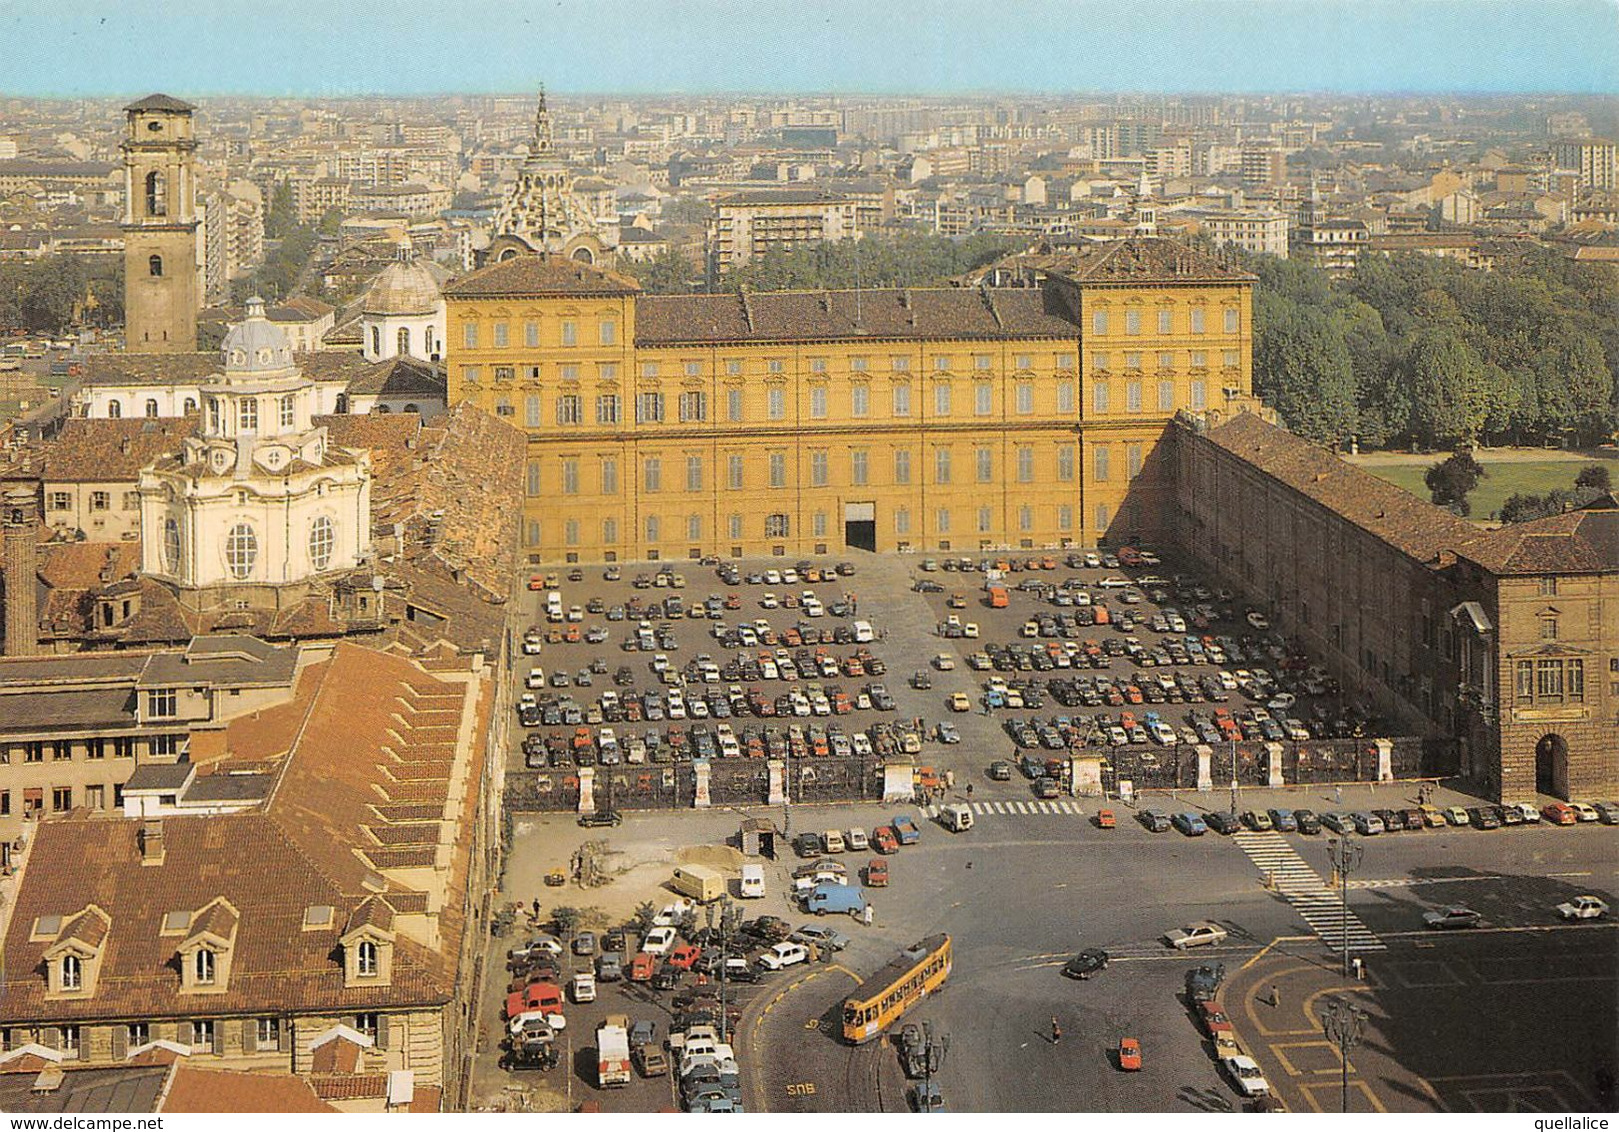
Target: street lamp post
(1345, 854)
(1233, 776)
(1344, 1024)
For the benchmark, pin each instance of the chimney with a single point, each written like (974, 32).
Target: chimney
(21, 559)
(151, 839)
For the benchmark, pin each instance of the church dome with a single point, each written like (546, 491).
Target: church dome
(256, 345)
(403, 289)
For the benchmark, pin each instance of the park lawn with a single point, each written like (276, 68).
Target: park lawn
(1502, 479)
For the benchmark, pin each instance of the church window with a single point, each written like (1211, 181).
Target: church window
(114, 409)
(241, 550)
(171, 545)
(190, 406)
(376, 341)
(157, 194)
(247, 414)
(154, 267)
(322, 539)
(151, 406)
(404, 340)
(288, 417)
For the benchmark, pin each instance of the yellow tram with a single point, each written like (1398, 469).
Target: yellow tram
(878, 1002)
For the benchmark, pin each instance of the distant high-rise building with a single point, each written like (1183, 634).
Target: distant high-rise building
(1263, 163)
(750, 224)
(1592, 158)
(162, 276)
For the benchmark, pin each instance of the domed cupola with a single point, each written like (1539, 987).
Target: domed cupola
(256, 347)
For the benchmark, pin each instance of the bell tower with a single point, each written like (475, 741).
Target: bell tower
(161, 289)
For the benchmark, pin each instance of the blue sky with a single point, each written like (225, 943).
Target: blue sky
(335, 48)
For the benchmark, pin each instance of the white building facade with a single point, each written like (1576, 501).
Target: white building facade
(258, 496)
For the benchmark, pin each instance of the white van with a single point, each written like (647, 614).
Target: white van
(863, 632)
(956, 817)
(753, 882)
(553, 606)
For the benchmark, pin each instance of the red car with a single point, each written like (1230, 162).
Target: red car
(1129, 1054)
(536, 581)
(544, 997)
(1213, 1018)
(884, 841)
(684, 957)
(642, 967)
(1560, 813)
(877, 873)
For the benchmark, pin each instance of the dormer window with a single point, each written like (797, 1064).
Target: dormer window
(366, 960)
(72, 973)
(203, 967)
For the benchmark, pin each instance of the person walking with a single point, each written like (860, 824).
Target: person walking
(1275, 995)
(1056, 1030)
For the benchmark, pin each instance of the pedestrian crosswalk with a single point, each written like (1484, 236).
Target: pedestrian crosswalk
(1303, 887)
(1017, 808)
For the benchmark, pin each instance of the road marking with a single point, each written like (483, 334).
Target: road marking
(1320, 907)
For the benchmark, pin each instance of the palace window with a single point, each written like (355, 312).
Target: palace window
(607, 410)
(531, 410)
(1198, 316)
(570, 409)
(941, 521)
(1065, 517)
(694, 473)
(533, 477)
(1025, 464)
(902, 400)
(986, 520)
(983, 398)
(941, 399)
(469, 335)
(1099, 322)
(652, 474)
(1065, 462)
(778, 469)
(985, 461)
(902, 521)
(162, 703)
(609, 332)
(1132, 321)
(941, 465)
(694, 528)
(902, 466)
(733, 404)
(609, 475)
(819, 473)
(569, 331)
(649, 408)
(1548, 628)
(1200, 395)
(735, 472)
(1065, 397)
(531, 334)
(100, 501)
(777, 526)
(860, 400)
(776, 403)
(1166, 322)
(1233, 321)
(1132, 396)
(1025, 397)
(818, 401)
(1166, 396)
(1099, 397)
(570, 477)
(1100, 459)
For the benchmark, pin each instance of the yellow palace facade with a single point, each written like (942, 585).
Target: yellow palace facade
(796, 423)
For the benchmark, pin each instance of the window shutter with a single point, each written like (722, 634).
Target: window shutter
(219, 1036)
(250, 1035)
(382, 1031)
(51, 1037)
(283, 1036)
(188, 1034)
(120, 1042)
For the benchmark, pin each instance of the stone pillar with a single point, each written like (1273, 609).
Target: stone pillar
(587, 790)
(701, 799)
(778, 783)
(1086, 775)
(1205, 764)
(21, 557)
(1274, 750)
(1385, 759)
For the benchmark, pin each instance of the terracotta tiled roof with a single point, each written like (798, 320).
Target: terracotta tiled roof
(351, 730)
(1576, 542)
(350, 1086)
(817, 316)
(540, 274)
(1145, 259)
(1412, 526)
(223, 1090)
(160, 102)
(162, 369)
(97, 450)
(400, 377)
(80, 565)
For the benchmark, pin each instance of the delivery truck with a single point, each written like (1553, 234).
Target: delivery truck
(613, 1052)
(702, 884)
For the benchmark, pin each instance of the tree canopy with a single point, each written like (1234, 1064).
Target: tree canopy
(1422, 351)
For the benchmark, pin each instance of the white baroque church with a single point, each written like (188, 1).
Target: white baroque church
(258, 501)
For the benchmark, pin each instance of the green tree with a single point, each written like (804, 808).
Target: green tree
(1447, 387)
(1303, 369)
(565, 917)
(1450, 481)
(1595, 477)
(668, 273)
(281, 217)
(1521, 507)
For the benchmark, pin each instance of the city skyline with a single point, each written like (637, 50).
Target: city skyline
(1168, 46)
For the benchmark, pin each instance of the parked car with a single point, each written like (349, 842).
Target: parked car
(1559, 813)
(1190, 824)
(1308, 821)
(1129, 1054)
(1245, 1075)
(601, 818)
(1156, 821)
(1222, 821)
